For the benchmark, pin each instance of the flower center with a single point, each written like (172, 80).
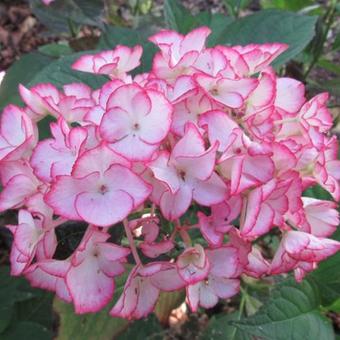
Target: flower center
(181, 173)
(103, 189)
(136, 127)
(214, 91)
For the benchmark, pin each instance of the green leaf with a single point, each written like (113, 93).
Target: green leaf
(327, 277)
(317, 191)
(58, 72)
(252, 304)
(37, 309)
(336, 43)
(234, 6)
(178, 18)
(56, 50)
(329, 65)
(6, 314)
(20, 302)
(217, 23)
(28, 331)
(86, 326)
(113, 36)
(220, 328)
(332, 86)
(290, 313)
(335, 306)
(291, 5)
(89, 326)
(272, 26)
(144, 329)
(22, 71)
(61, 16)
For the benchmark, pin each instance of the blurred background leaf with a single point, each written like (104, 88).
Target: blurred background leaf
(272, 26)
(66, 16)
(25, 312)
(291, 312)
(90, 326)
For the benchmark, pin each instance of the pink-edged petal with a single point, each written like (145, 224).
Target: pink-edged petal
(168, 279)
(84, 63)
(164, 172)
(208, 298)
(64, 191)
(219, 126)
(209, 192)
(290, 94)
(103, 209)
(154, 250)
(17, 190)
(89, 287)
(175, 205)
(191, 144)
(112, 252)
(156, 124)
(224, 288)
(121, 178)
(199, 167)
(99, 160)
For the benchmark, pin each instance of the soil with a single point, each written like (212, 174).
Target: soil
(20, 32)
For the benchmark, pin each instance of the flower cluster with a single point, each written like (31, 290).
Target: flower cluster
(210, 132)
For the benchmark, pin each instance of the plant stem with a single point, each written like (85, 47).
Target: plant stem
(153, 208)
(242, 302)
(183, 233)
(57, 222)
(131, 242)
(329, 18)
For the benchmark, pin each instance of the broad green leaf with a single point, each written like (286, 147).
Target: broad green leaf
(56, 50)
(62, 16)
(290, 313)
(37, 68)
(20, 302)
(272, 26)
(37, 309)
(144, 329)
(59, 73)
(327, 277)
(6, 314)
(291, 5)
(335, 306)
(178, 18)
(317, 191)
(87, 326)
(113, 36)
(217, 22)
(90, 326)
(22, 71)
(28, 331)
(220, 328)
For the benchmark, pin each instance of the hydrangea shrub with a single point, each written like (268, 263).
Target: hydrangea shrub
(213, 131)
